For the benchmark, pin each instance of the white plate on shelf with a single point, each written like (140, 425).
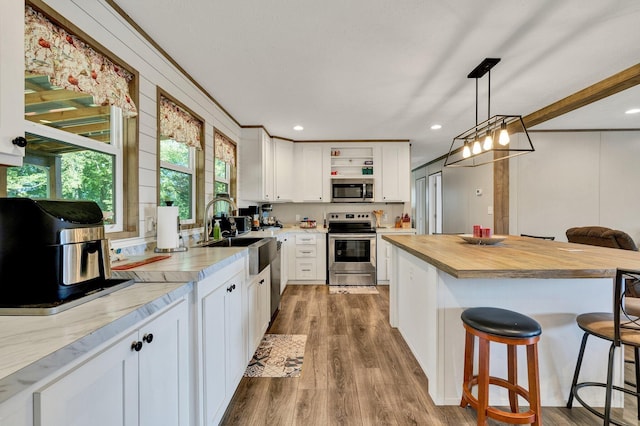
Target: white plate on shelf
(494, 239)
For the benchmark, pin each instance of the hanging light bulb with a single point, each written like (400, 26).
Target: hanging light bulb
(488, 142)
(477, 148)
(466, 152)
(504, 135)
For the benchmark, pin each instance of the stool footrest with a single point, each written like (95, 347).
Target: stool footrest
(525, 417)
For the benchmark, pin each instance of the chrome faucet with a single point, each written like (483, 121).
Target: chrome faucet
(206, 210)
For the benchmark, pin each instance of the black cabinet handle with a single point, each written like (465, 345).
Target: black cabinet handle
(148, 338)
(20, 141)
(261, 281)
(136, 346)
(231, 288)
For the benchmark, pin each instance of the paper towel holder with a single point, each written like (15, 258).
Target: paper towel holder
(182, 248)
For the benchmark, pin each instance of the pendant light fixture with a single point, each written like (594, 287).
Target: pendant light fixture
(478, 145)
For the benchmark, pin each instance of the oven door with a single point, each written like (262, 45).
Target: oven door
(352, 259)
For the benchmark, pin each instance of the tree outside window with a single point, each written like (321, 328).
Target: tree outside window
(180, 135)
(225, 170)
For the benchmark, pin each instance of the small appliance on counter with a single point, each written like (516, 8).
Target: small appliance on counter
(266, 220)
(253, 213)
(234, 225)
(53, 254)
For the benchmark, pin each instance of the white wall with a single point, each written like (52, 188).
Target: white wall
(462, 208)
(100, 22)
(576, 179)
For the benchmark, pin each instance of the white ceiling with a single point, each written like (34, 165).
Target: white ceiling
(382, 69)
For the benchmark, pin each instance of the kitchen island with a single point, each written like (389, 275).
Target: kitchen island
(436, 277)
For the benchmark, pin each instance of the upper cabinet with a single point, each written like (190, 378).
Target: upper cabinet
(311, 172)
(283, 181)
(394, 182)
(278, 170)
(256, 171)
(267, 168)
(12, 83)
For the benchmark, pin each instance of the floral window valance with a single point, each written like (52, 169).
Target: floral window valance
(179, 125)
(73, 65)
(225, 149)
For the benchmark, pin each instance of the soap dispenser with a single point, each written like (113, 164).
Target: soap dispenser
(216, 230)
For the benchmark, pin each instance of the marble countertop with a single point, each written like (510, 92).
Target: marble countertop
(34, 347)
(194, 264)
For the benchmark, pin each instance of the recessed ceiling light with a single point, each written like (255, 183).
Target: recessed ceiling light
(633, 111)
(298, 128)
(436, 127)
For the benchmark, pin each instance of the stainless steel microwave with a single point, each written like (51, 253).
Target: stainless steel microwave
(352, 191)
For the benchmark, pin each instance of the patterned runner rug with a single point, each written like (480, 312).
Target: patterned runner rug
(278, 355)
(353, 289)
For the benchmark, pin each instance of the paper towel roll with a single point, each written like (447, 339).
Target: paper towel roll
(168, 232)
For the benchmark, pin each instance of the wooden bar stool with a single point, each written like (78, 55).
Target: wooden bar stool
(513, 329)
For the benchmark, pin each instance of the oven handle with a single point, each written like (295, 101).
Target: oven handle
(371, 236)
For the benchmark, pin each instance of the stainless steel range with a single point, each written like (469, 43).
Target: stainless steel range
(351, 249)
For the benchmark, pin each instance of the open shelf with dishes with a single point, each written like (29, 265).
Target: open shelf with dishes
(352, 162)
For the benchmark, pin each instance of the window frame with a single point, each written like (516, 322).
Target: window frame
(198, 159)
(232, 171)
(114, 148)
(127, 189)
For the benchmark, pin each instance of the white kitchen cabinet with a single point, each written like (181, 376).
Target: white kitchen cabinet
(11, 82)
(258, 307)
(285, 249)
(142, 379)
(383, 255)
(308, 257)
(394, 182)
(221, 357)
(283, 170)
(256, 178)
(311, 168)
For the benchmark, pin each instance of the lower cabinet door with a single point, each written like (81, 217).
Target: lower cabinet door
(213, 355)
(101, 392)
(164, 369)
(125, 387)
(235, 339)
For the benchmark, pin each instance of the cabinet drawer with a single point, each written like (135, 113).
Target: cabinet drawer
(306, 239)
(306, 251)
(305, 269)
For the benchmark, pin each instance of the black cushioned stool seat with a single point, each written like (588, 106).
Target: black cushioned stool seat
(513, 329)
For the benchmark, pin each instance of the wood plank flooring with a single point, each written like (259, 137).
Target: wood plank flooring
(357, 371)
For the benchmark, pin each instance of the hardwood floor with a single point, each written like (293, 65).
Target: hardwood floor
(357, 371)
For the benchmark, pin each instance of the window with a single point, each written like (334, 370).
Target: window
(180, 149)
(80, 119)
(177, 177)
(67, 171)
(225, 169)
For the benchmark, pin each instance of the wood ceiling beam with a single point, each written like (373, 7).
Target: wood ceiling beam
(101, 127)
(74, 114)
(607, 87)
(53, 96)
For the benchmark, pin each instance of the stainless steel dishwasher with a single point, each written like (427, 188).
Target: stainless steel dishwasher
(275, 282)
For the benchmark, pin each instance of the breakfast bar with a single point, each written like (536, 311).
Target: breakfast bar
(436, 277)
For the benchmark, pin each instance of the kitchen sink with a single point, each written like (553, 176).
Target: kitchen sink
(261, 250)
(234, 242)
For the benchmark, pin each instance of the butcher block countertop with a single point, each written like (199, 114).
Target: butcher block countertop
(516, 257)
